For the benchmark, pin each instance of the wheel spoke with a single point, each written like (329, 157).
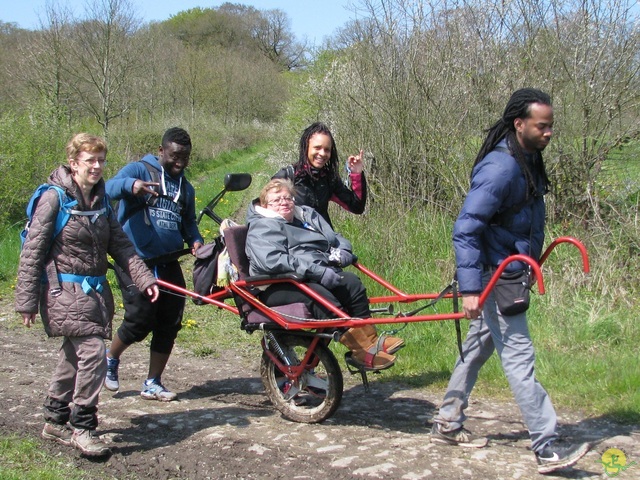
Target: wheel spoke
(318, 391)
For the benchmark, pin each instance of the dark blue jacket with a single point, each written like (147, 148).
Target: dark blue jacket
(479, 239)
(159, 229)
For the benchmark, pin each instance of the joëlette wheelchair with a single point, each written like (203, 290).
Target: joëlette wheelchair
(300, 373)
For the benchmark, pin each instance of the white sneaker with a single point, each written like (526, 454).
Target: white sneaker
(111, 380)
(152, 389)
(557, 456)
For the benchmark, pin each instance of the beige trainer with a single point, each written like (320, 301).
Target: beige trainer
(89, 443)
(59, 433)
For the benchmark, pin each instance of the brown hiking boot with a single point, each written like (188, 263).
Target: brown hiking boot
(384, 343)
(365, 351)
(89, 443)
(59, 433)
(389, 344)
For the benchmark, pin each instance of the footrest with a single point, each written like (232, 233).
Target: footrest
(355, 367)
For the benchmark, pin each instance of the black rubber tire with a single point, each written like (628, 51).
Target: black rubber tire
(310, 405)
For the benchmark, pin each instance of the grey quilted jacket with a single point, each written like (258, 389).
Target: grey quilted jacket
(276, 246)
(81, 249)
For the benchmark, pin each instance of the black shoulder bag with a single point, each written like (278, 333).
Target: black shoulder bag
(513, 292)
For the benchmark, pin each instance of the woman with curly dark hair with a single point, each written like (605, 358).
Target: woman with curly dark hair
(316, 175)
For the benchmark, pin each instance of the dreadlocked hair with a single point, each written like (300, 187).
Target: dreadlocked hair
(303, 167)
(518, 106)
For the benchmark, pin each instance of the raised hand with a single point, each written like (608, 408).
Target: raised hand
(355, 162)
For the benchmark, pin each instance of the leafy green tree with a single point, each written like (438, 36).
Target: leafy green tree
(208, 27)
(223, 70)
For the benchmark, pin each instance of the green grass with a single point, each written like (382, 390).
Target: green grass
(23, 459)
(621, 174)
(9, 252)
(208, 180)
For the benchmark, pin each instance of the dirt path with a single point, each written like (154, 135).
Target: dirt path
(223, 426)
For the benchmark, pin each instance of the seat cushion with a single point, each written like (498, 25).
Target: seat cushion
(294, 311)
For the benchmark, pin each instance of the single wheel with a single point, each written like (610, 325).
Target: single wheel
(317, 393)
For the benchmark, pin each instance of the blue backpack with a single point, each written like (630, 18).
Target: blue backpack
(64, 213)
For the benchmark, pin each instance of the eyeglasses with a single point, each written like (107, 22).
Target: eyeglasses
(280, 200)
(90, 162)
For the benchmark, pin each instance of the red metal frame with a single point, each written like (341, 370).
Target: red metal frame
(241, 289)
(293, 372)
(575, 242)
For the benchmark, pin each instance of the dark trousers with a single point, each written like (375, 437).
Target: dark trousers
(163, 318)
(350, 295)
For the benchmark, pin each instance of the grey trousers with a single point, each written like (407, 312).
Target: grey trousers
(77, 379)
(510, 338)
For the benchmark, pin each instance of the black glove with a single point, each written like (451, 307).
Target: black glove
(330, 279)
(342, 258)
(347, 258)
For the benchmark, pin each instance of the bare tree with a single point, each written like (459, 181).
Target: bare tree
(418, 82)
(43, 61)
(11, 39)
(596, 80)
(154, 85)
(271, 29)
(104, 58)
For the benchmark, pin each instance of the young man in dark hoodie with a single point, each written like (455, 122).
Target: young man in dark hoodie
(157, 212)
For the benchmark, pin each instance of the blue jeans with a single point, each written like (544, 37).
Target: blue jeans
(510, 338)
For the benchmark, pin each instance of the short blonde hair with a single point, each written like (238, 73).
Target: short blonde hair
(276, 185)
(85, 142)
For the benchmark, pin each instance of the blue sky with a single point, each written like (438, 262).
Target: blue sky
(314, 20)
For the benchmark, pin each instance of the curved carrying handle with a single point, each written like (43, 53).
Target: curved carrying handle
(513, 258)
(573, 241)
(535, 266)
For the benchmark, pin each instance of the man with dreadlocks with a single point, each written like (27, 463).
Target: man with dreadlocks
(316, 177)
(504, 214)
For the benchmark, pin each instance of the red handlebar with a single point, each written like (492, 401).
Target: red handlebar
(513, 258)
(536, 266)
(577, 243)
